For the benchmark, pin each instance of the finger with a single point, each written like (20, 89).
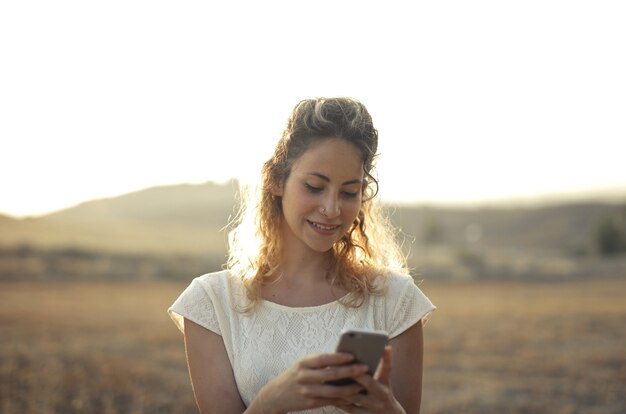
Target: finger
(324, 360)
(335, 373)
(317, 402)
(373, 387)
(364, 404)
(339, 395)
(353, 409)
(367, 382)
(349, 408)
(383, 373)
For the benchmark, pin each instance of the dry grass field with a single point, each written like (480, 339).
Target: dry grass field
(491, 347)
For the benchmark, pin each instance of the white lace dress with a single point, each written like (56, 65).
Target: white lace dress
(266, 342)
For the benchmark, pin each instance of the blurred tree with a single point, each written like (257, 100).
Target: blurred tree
(433, 231)
(609, 235)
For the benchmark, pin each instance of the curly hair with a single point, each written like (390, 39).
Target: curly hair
(365, 254)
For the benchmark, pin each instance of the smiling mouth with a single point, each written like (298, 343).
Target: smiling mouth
(323, 227)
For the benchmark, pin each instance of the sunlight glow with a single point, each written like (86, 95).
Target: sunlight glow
(473, 100)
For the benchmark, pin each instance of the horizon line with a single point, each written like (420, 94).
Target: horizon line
(605, 194)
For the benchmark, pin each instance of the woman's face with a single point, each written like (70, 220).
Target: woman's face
(322, 196)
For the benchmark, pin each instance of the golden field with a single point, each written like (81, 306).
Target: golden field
(491, 347)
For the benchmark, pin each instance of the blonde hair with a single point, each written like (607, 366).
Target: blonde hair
(362, 258)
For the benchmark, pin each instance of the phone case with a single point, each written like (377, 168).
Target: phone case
(367, 346)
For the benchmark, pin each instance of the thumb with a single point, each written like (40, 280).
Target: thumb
(383, 372)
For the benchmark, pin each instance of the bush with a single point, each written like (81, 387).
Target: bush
(610, 234)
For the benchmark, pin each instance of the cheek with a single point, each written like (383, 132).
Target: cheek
(308, 201)
(303, 202)
(352, 210)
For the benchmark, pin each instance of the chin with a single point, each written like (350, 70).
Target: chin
(321, 248)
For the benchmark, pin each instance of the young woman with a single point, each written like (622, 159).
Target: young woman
(310, 255)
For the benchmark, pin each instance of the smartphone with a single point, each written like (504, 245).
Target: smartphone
(366, 345)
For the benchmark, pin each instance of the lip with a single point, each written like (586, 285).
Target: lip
(324, 229)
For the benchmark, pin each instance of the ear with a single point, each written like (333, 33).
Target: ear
(277, 190)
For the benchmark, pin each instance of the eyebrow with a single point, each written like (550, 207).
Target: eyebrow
(323, 177)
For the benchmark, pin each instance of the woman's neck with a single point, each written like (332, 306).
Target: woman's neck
(303, 281)
(304, 268)
(302, 278)
(301, 263)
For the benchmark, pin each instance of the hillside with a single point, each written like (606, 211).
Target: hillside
(180, 205)
(567, 227)
(183, 219)
(190, 219)
(5, 219)
(176, 231)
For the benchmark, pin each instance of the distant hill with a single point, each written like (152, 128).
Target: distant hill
(174, 205)
(5, 219)
(177, 232)
(188, 219)
(179, 219)
(566, 227)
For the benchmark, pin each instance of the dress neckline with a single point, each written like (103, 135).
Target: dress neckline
(312, 308)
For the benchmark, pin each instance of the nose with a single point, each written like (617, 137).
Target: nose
(330, 207)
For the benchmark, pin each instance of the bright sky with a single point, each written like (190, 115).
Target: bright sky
(473, 100)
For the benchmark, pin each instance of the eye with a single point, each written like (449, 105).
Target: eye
(349, 194)
(312, 188)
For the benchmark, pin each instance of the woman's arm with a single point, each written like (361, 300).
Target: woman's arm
(211, 374)
(407, 367)
(300, 387)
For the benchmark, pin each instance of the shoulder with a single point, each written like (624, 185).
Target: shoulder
(405, 304)
(400, 279)
(202, 301)
(223, 287)
(216, 288)
(393, 283)
(401, 290)
(223, 279)
(214, 279)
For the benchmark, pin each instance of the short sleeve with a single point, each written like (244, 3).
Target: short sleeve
(406, 306)
(197, 305)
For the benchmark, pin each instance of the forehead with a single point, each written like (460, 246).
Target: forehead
(333, 157)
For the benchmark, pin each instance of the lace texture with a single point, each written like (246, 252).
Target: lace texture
(263, 344)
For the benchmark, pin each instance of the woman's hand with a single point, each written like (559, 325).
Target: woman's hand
(379, 398)
(302, 386)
